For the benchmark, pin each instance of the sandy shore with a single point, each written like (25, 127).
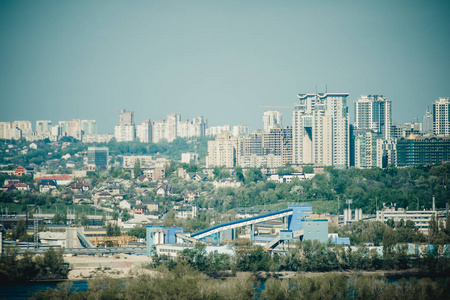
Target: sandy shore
(115, 266)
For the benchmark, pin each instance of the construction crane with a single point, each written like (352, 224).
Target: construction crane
(270, 106)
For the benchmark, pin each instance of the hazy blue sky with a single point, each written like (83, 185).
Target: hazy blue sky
(61, 60)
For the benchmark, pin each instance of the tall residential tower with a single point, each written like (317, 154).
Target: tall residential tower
(441, 116)
(320, 130)
(374, 113)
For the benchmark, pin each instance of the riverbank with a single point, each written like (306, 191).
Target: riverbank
(123, 266)
(84, 267)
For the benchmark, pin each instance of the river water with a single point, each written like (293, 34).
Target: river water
(24, 291)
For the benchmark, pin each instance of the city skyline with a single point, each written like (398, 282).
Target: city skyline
(63, 60)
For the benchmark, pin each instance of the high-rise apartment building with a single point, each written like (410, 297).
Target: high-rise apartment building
(70, 128)
(441, 116)
(240, 130)
(126, 118)
(427, 122)
(368, 148)
(43, 127)
(172, 126)
(404, 130)
(24, 127)
(144, 131)
(320, 129)
(374, 113)
(158, 131)
(202, 123)
(74, 129)
(216, 130)
(222, 151)
(5, 130)
(89, 127)
(126, 131)
(272, 119)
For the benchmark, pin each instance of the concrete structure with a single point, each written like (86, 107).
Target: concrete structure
(272, 119)
(240, 130)
(98, 156)
(422, 150)
(427, 122)
(222, 151)
(125, 131)
(89, 127)
(216, 130)
(24, 127)
(421, 218)
(189, 158)
(43, 127)
(441, 116)
(368, 149)
(374, 113)
(320, 130)
(315, 230)
(172, 251)
(70, 129)
(144, 131)
(350, 218)
(406, 129)
(5, 130)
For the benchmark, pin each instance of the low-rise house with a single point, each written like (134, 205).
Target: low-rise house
(81, 199)
(15, 186)
(155, 173)
(124, 204)
(19, 171)
(151, 205)
(60, 179)
(163, 190)
(142, 179)
(47, 185)
(190, 196)
(186, 212)
(288, 178)
(196, 176)
(140, 209)
(79, 187)
(227, 183)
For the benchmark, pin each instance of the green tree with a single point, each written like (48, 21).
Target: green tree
(139, 232)
(389, 240)
(433, 229)
(253, 175)
(112, 230)
(238, 173)
(20, 231)
(137, 168)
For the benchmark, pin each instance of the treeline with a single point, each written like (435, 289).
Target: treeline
(309, 256)
(410, 187)
(183, 282)
(27, 267)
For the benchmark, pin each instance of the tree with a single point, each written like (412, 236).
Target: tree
(238, 173)
(59, 218)
(389, 240)
(433, 229)
(253, 175)
(112, 230)
(137, 168)
(20, 231)
(139, 232)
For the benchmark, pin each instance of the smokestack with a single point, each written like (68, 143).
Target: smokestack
(434, 204)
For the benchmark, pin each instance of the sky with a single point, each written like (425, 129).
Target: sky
(63, 60)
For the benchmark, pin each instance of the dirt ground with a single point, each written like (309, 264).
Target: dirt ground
(115, 266)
